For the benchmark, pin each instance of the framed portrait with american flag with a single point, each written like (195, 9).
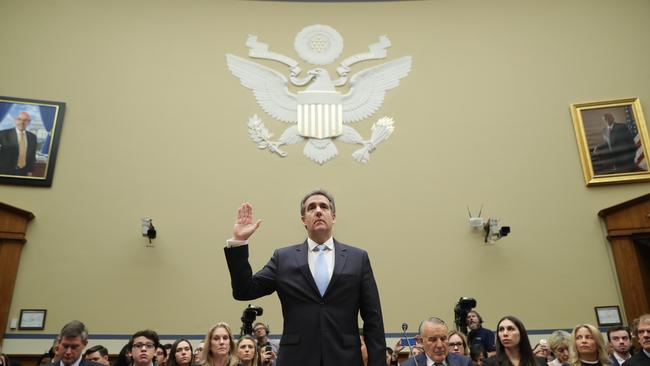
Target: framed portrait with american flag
(612, 140)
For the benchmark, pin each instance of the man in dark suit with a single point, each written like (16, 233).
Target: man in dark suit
(619, 338)
(618, 151)
(72, 340)
(642, 358)
(18, 148)
(433, 336)
(322, 284)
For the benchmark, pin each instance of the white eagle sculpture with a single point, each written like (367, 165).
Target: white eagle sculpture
(320, 113)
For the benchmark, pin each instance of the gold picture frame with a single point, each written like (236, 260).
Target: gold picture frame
(612, 141)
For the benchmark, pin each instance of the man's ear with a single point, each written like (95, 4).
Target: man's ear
(333, 217)
(302, 219)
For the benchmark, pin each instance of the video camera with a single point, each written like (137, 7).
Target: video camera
(248, 317)
(462, 308)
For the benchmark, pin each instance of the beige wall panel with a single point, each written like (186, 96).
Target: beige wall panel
(155, 126)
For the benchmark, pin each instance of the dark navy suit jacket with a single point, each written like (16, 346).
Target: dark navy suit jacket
(320, 331)
(452, 360)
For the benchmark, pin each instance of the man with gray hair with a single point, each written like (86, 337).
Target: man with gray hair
(73, 338)
(433, 336)
(642, 358)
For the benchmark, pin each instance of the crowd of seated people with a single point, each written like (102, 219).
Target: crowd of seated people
(435, 344)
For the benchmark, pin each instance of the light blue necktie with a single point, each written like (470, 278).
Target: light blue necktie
(322, 276)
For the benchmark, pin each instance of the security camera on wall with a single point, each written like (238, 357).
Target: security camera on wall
(493, 232)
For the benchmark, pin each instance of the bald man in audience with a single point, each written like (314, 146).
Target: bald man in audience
(433, 337)
(642, 358)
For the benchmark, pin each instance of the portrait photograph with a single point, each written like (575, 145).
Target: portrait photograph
(29, 138)
(612, 141)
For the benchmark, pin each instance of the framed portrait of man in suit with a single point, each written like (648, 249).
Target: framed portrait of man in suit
(29, 140)
(612, 141)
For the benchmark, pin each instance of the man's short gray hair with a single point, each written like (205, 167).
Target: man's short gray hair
(432, 320)
(317, 192)
(74, 329)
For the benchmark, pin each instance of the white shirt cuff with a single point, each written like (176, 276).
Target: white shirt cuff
(231, 243)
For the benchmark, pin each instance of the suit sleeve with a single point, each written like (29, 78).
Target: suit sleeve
(245, 285)
(373, 322)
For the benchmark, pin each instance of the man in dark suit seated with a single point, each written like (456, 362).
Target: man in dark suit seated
(323, 286)
(620, 342)
(18, 148)
(97, 354)
(642, 358)
(72, 340)
(433, 336)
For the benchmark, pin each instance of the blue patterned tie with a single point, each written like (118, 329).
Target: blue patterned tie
(322, 276)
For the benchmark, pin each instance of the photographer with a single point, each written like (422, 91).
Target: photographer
(478, 334)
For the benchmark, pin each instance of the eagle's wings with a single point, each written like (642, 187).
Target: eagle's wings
(368, 88)
(268, 86)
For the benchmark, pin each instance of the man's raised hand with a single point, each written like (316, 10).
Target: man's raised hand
(244, 226)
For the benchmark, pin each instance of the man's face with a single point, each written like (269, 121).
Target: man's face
(71, 348)
(22, 121)
(198, 351)
(608, 118)
(318, 218)
(472, 321)
(644, 335)
(160, 356)
(143, 350)
(260, 331)
(620, 341)
(434, 339)
(97, 357)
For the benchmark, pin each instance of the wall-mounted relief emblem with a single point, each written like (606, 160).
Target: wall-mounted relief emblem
(319, 114)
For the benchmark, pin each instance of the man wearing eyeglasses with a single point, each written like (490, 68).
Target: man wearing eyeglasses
(144, 347)
(72, 340)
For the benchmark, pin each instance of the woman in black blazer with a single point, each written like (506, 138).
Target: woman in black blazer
(513, 347)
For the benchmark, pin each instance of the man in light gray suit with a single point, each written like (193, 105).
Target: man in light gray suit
(433, 335)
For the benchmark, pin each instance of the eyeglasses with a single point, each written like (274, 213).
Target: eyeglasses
(457, 344)
(145, 345)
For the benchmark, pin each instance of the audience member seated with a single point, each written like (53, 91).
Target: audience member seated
(168, 349)
(478, 354)
(457, 343)
(588, 347)
(98, 354)
(512, 345)
(433, 337)
(619, 340)
(247, 351)
(559, 343)
(72, 340)
(181, 353)
(642, 331)
(124, 357)
(4, 360)
(161, 355)
(261, 332)
(143, 347)
(541, 350)
(478, 334)
(220, 347)
(198, 351)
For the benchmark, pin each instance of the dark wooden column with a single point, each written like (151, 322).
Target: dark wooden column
(624, 222)
(13, 225)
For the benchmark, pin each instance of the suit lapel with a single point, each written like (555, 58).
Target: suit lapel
(340, 253)
(303, 264)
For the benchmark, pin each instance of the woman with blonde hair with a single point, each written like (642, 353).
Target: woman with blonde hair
(457, 343)
(247, 352)
(219, 347)
(588, 347)
(559, 343)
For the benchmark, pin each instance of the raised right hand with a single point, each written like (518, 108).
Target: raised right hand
(244, 226)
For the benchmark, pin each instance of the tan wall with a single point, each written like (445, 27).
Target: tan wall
(156, 126)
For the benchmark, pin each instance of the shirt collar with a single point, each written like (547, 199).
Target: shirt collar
(329, 243)
(432, 362)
